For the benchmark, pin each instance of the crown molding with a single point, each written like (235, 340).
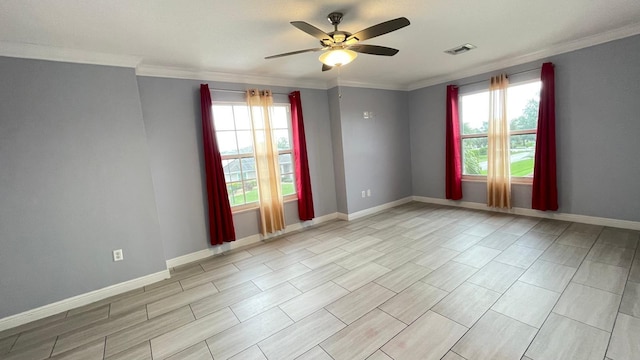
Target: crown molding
(194, 74)
(52, 53)
(359, 84)
(616, 34)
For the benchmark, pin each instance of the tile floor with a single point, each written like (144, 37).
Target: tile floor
(415, 282)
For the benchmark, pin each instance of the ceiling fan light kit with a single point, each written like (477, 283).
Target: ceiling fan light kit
(342, 47)
(338, 57)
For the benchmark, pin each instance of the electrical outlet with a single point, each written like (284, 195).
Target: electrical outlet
(365, 114)
(117, 255)
(363, 194)
(368, 192)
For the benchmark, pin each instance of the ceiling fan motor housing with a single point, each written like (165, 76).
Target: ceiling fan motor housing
(334, 18)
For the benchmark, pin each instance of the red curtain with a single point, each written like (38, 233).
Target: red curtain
(220, 217)
(303, 181)
(545, 189)
(453, 158)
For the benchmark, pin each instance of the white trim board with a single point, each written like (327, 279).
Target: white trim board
(42, 52)
(80, 300)
(205, 75)
(367, 85)
(625, 224)
(116, 289)
(254, 239)
(373, 210)
(245, 241)
(495, 65)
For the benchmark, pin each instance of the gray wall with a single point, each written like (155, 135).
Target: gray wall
(171, 109)
(338, 151)
(597, 126)
(376, 153)
(75, 182)
(427, 136)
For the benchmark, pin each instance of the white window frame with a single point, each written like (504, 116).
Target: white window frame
(527, 180)
(256, 204)
(294, 196)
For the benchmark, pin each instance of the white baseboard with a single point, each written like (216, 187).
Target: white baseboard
(315, 221)
(93, 296)
(373, 210)
(625, 224)
(80, 300)
(249, 240)
(205, 253)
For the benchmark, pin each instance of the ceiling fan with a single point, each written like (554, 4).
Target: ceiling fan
(341, 47)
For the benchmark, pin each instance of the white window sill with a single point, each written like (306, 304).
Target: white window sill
(244, 208)
(514, 180)
(255, 206)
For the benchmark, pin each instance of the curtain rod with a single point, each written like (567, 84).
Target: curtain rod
(240, 91)
(508, 75)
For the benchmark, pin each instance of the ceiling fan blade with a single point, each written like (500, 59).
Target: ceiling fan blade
(380, 29)
(374, 49)
(326, 67)
(312, 30)
(294, 53)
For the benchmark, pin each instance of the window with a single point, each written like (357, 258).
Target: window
(235, 142)
(522, 114)
(281, 127)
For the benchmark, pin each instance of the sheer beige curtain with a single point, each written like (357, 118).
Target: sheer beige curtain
(271, 203)
(498, 168)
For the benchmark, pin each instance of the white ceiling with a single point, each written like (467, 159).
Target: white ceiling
(230, 39)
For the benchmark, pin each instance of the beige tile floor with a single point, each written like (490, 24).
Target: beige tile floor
(414, 282)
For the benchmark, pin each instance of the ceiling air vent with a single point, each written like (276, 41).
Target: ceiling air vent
(460, 49)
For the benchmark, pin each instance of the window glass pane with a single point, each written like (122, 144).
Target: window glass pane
(259, 136)
(233, 170)
(251, 191)
(285, 163)
(236, 195)
(227, 142)
(258, 121)
(280, 118)
(522, 106)
(288, 184)
(223, 117)
(245, 142)
(241, 113)
(225, 170)
(249, 168)
(475, 113)
(281, 137)
(522, 153)
(474, 156)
